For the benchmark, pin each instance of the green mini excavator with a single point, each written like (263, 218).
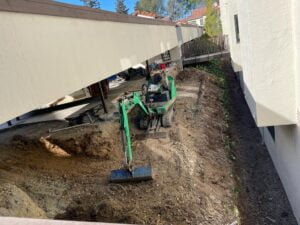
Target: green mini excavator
(156, 102)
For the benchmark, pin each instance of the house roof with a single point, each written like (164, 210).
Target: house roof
(166, 18)
(196, 14)
(144, 13)
(52, 8)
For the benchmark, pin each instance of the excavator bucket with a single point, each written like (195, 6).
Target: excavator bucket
(138, 174)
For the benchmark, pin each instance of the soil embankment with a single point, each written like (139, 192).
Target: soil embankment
(65, 176)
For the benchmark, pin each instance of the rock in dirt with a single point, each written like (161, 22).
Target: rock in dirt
(56, 150)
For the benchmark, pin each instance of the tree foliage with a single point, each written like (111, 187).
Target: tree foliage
(212, 24)
(191, 4)
(178, 8)
(175, 9)
(155, 6)
(121, 7)
(92, 3)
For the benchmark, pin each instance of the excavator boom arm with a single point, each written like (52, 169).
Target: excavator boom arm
(125, 106)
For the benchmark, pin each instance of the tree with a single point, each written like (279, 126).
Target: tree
(179, 8)
(92, 3)
(189, 5)
(121, 7)
(155, 6)
(212, 24)
(175, 9)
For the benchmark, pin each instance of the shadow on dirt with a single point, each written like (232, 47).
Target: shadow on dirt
(261, 196)
(102, 212)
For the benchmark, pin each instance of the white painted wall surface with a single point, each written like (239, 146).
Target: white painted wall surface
(194, 22)
(296, 26)
(45, 57)
(286, 157)
(265, 55)
(224, 16)
(148, 17)
(267, 50)
(228, 9)
(285, 151)
(185, 34)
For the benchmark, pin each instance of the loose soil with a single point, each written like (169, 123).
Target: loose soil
(65, 175)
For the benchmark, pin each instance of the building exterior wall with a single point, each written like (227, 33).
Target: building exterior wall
(270, 64)
(148, 17)
(224, 16)
(266, 48)
(296, 25)
(285, 152)
(229, 8)
(45, 57)
(194, 22)
(185, 34)
(198, 22)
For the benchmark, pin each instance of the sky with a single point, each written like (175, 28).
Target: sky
(108, 5)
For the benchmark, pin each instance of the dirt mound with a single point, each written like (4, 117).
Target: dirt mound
(23, 142)
(90, 142)
(101, 142)
(15, 202)
(190, 74)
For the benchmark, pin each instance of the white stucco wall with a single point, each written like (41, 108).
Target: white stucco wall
(296, 26)
(265, 54)
(228, 9)
(185, 34)
(285, 151)
(198, 22)
(195, 22)
(286, 157)
(45, 57)
(224, 16)
(267, 51)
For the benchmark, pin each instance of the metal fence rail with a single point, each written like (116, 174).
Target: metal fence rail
(204, 46)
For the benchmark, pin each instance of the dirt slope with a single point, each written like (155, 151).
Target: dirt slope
(66, 174)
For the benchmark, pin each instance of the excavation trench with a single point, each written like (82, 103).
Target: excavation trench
(65, 176)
